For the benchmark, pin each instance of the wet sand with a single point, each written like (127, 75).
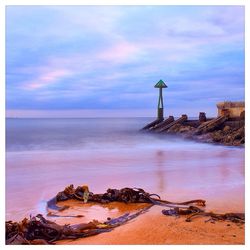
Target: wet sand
(175, 169)
(153, 227)
(216, 175)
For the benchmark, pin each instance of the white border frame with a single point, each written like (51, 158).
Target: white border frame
(4, 3)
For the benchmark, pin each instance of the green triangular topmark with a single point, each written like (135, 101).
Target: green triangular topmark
(160, 84)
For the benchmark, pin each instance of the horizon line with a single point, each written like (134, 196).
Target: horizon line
(103, 113)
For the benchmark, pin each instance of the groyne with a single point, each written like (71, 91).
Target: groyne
(223, 129)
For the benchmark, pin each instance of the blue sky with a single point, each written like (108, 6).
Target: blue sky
(75, 58)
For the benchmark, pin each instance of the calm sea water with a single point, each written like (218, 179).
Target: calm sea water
(45, 155)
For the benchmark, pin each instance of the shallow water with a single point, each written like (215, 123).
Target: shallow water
(45, 155)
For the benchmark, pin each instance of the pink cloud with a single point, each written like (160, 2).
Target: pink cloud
(47, 78)
(120, 52)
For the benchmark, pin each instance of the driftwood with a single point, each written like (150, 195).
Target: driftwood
(38, 230)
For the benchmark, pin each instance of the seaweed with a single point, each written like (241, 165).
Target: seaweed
(38, 230)
(126, 195)
(194, 212)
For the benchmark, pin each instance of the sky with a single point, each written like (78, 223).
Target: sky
(105, 60)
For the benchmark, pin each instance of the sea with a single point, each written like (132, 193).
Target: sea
(43, 156)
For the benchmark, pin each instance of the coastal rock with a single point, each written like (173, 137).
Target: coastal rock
(226, 136)
(207, 137)
(218, 130)
(236, 143)
(234, 137)
(186, 129)
(178, 128)
(229, 136)
(227, 139)
(239, 134)
(217, 136)
(242, 115)
(226, 129)
(174, 129)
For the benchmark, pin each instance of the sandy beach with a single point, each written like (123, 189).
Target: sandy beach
(176, 169)
(155, 228)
